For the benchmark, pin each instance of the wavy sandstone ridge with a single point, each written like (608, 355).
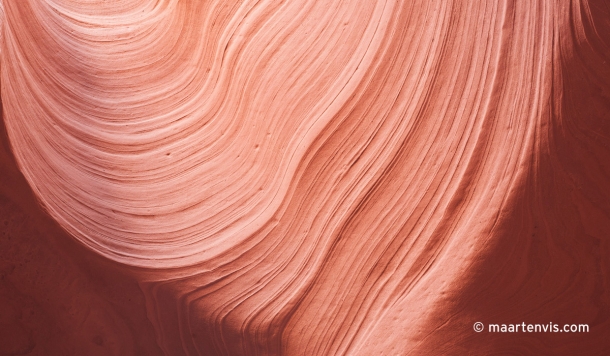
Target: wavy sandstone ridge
(326, 177)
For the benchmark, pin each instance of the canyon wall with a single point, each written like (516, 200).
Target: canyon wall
(330, 177)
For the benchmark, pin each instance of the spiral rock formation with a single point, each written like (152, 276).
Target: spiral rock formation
(324, 177)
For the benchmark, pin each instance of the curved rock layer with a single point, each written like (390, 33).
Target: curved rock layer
(320, 177)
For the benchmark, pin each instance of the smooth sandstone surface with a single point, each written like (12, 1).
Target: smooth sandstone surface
(330, 177)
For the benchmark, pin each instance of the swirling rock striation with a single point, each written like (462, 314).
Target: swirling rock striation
(326, 177)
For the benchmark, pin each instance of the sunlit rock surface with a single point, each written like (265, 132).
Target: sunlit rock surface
(220, 177)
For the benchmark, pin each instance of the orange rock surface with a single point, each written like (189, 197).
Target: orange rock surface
(187, 177)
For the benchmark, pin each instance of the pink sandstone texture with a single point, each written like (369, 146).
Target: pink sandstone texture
(307, 177)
